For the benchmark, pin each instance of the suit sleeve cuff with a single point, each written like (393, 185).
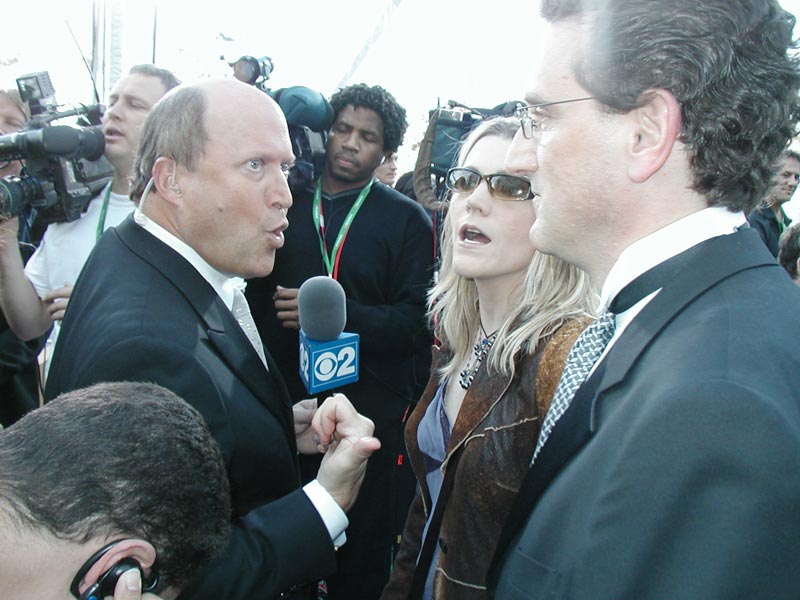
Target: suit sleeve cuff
(329, 511)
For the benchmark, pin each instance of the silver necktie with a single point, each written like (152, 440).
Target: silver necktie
(584, 354)
(241, 311)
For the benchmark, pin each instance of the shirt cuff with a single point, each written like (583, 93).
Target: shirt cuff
(329, 511)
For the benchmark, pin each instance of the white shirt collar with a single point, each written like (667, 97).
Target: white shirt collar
(223, 284)
(667, 242)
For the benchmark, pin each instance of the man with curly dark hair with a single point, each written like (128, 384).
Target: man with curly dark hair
(379, 245)
(116, 474)
(667, 464)
(789, 252)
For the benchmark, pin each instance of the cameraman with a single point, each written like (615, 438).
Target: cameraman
(34, 297)
(18, 367)
(13, 116)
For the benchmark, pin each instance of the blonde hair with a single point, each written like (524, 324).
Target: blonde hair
(13, 96)
(551, 293)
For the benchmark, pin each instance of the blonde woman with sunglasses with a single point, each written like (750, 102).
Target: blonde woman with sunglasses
(505, 317)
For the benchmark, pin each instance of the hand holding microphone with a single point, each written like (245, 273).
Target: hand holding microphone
(347, 439)
(286, 307)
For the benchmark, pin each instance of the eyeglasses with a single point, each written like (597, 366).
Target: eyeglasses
(529, 123)
(463, 180)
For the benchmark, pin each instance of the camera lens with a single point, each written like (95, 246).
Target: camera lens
(16, 193)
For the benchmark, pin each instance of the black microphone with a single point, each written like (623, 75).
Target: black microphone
(304, 107)
(328, 357)
(56, 140)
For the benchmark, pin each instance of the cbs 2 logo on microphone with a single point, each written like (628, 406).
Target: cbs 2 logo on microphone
(326, 365)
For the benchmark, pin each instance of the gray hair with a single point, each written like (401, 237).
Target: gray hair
(175, 128)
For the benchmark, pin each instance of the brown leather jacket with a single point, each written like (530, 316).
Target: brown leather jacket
(497, 427)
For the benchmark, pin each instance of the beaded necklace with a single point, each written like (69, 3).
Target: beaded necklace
(479, 351)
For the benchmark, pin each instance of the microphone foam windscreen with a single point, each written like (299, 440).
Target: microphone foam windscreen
(303, 106)
(62, 140)
(93, 143)
(321, 308)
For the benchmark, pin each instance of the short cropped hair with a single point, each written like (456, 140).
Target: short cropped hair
(167, 77)
(791, 154)
(377, 99)
(789, 249)
(175, 127)
(120, 459)
(728, 64)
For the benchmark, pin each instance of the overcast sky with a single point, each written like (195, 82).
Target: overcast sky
(423, 51)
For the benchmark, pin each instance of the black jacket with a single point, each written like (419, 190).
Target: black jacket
(764, 222)
(141, 312)
(673, 473)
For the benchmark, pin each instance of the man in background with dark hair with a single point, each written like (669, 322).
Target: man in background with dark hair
(128, 464)
(387, 170)
(33, 297)
(667, 464)
(770, 220)
(383, 262)
(789, 251)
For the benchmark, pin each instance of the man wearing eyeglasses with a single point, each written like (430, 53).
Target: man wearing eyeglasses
(667, 464)
(117, 488)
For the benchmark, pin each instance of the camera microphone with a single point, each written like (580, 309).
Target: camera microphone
(328, 357)
(55, 140)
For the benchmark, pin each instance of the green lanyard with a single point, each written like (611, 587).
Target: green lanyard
(331, 260)
(102, 222)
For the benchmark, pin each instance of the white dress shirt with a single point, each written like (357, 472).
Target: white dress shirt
(657, 247)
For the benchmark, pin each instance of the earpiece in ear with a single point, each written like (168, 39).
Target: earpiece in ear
(108, 580)
(105, 584)
(173, 186)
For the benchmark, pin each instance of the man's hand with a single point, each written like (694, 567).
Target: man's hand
(9, 229)
(129, 587)
(346, 438)
(307, 438)
(286, 305)
(56, 302)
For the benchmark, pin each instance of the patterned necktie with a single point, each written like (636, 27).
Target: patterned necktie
(582, 357)
(241, 311)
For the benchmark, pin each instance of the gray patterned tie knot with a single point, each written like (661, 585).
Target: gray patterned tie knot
(582, 357)
(241, 311)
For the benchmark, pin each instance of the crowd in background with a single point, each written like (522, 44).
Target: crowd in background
(556, 396)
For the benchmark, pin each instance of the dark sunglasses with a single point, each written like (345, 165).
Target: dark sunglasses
(463, 180)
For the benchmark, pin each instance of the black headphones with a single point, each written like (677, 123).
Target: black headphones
(106, 583)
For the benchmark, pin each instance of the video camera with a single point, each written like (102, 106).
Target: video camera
(307, 112)
(447, 127)
(63, 169)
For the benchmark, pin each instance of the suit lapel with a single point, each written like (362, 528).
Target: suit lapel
(719, 258)
(223, 332)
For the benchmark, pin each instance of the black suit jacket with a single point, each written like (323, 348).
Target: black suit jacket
(141, 312)
(674, 472)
